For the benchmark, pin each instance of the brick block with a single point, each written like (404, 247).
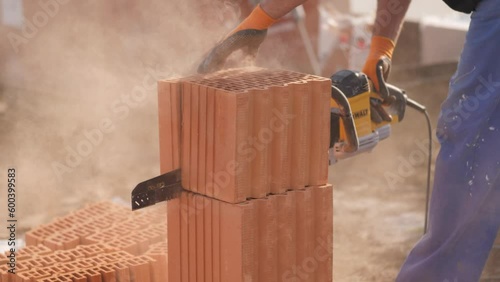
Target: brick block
(237, 237)
(246, 133)
(169, 123)
(260, 240)
(280, 157)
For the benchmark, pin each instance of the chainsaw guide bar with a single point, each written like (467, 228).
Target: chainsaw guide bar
(161, 188)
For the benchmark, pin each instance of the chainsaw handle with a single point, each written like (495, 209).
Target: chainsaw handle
(382, 91)
(347, 119)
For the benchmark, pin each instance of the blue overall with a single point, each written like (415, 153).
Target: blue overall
(465, 203)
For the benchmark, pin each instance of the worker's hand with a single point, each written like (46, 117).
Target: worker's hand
(381, 49)
(247, 36)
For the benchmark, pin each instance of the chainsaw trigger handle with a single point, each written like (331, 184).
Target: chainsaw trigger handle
(382, 91)
(352, 144)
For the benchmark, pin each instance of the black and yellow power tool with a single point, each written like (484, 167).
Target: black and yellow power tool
(361, 116)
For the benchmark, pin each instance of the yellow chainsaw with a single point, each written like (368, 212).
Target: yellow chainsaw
(361, 116)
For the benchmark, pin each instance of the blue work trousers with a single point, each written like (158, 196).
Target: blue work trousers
(464, 214)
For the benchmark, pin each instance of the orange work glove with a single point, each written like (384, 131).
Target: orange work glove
(381, 47)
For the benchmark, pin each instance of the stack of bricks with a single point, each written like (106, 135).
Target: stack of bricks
(101, 242)
(252, 146)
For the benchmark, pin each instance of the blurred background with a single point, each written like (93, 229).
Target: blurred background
(78, 106)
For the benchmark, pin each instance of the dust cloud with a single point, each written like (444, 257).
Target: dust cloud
(81, 124)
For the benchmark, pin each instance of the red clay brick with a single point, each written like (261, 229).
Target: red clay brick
(93, 275)
(280, 162)
(261, 135)
(192, 248)
(78, 276)
(237, 224)
(32, 250)
(107, 273)
(186, 135)
(184, 237)
(216, 235)
(160, 266)
(300, 137)
(28, 264)
(323, 248)
(31, 275)
(210, 149)
(320, 132)
(231, 182)
(165, 122)
(208, 235)
(287, 233)
(200, 240)
(122, 271)
(174, 240)
(195, 137)
(67, 239)
(140, 268)
(221, 115)
(305, 232)
(267, 238)
(202, 141)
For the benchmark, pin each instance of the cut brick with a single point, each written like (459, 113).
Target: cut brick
(210, 149)
(237, 224)
(200, 240)
(280, 162)
(184, 209)
(231, 173)
(267, 238)
(202, 142)
(234, 146)
(167, 122)
(195, 137)
(287, 233)
(257, 148)
(319, 133)
(186, 134)
(192, 248)
(323, 248)
(208, 235)
(140, 268)
(216, 239)
(305, 233)
(300, 137)
(174, 239)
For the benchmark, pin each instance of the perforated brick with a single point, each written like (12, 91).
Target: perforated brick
(246, 133)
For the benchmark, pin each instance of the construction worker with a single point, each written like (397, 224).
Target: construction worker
(465, 204)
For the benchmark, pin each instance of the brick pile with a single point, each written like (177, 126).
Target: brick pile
(252, 145)
(101, 242)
